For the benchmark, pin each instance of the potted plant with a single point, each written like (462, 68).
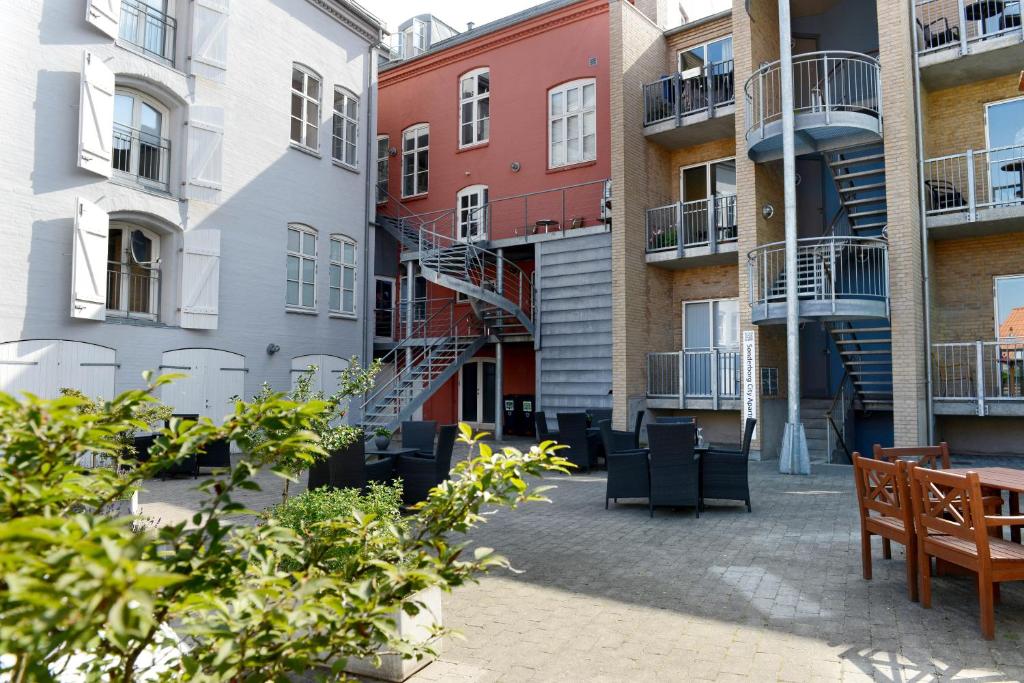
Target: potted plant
(382, 438)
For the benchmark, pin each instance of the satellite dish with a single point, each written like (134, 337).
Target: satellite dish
(142, 249)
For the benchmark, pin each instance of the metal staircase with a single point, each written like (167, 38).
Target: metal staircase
(859, 176)
(866, 351)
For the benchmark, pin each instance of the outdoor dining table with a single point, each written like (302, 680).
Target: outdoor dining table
(983, 9)
(1016, 166)
(1003, 479)
(377, 454)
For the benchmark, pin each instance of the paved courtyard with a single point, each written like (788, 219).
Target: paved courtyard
(774, 595)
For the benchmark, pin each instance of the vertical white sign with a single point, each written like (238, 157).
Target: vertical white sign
(750, 376)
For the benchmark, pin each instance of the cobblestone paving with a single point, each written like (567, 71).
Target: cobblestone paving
(774, 595)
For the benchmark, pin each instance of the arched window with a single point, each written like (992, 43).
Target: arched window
(415, 160)
(471, 203)
(133, 271)
(305, 107)
(474, 107)
(572, 123)
(141, 148)
(301, 277)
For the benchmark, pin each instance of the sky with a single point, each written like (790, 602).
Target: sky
(457, 12)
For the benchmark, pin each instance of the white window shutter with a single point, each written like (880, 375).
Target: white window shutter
(209, 39)
(104, 15)
(205, 152)
(96, 116)
(200, 279)
(89, 262)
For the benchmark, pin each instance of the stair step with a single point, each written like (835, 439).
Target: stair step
(847, 161)
(861, 214)
(869, 226)
(858, 174)
(864, 200)
(862, 341)
(853, 330)
(862, 188)
(869, 352)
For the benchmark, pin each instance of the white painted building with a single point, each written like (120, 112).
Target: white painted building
(186, 187)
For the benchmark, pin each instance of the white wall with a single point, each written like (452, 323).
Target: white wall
(266, 183)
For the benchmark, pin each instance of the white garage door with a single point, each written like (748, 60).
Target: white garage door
(213, 378)
(328, 371)
(44, 366)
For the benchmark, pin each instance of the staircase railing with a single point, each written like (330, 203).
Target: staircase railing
(842, 404)
(442, 327)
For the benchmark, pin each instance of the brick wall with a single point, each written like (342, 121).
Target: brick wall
(698, 154)
(962, 109)
(688, 37)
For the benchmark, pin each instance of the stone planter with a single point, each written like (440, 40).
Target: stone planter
(416, 630)
(381, 442)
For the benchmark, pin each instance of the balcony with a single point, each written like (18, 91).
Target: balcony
(962, 41)
(690, 234)
(838, 278)
(680, 112)
(142, 157)
(147, 30)
(836, 99)
(975, 193)
(978, 378)
(708, 379)
(133, 291)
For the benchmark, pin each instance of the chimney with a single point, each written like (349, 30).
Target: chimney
(470, 25)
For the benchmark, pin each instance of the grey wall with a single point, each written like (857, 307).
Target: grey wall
(574, 367)
(266, 183)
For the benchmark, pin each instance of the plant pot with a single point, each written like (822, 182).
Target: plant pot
(414, 629)
(381, 442)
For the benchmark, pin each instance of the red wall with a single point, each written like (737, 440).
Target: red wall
(525, 60)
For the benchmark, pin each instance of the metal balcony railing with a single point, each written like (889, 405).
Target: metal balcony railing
(143, 156)
(828, 269)
(979, 371)
(676, 97)
(964, 23)
(148, 29)
(694, 374)
(132, 293)
(701, 223)
(974, 180)
(823, 82)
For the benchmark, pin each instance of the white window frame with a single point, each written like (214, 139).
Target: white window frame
(340, 265)
(124, 274)
(705, 44)
(995, 299)
(415, 131)
(393, 285)
(707, 178)
(473, 215)
(988, 139)
(474, 100)
(307, 100)
(303, 257)
(343, 117)
(560, 121)
(383, 168)
(132, 174)
(711, 331)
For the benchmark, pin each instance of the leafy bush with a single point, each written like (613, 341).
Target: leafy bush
(254, 601)
(306, 512)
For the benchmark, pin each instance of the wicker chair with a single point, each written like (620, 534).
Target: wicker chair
(596, 415)
(675, 420)
(724, 472)
(216, 454)
(420, 474)
(420, 435)
(540, 421)
(675, 470)
(572, 427)
(628, 474)
(637, 426)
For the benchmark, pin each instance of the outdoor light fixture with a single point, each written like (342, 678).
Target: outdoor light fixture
(516, 167)
(767, 211)
(392, 152)
(272, 348)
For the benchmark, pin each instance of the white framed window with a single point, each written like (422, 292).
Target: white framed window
(141, 149)
(572, 123)
(301, 278)
(305, 107)
(147, 25)
(711, 324)
(133, 272)
(413, 40)
(383, 167)
(343, 276)
(346, 127)
(692, 60)
(472, 213)
(415, 160)
(475, 107)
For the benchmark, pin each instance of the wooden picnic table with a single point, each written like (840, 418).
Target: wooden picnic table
(1003, 479)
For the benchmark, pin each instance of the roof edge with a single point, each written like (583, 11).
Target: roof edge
(698, 22)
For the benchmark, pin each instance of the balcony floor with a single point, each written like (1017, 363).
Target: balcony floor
(814, 134)
(988, 221)
(694, 129)
(967, 406)
(692, 403)
(1000, 55)
(694, 257)
(774, 312)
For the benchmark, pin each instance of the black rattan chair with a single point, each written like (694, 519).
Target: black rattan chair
(724, 472)
(420, 474)
(637, 426)
(675, 420)
(675, 469)
(540, 421)
(572, 428)
(596, 415)
(937, 37)
(419, 435)
(944, 196)
(216, 454)
(628, 476)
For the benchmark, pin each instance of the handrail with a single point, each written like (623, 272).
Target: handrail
(975, 179)
(943, 24)
(978, 371)
(674, 97)
(701, 222)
